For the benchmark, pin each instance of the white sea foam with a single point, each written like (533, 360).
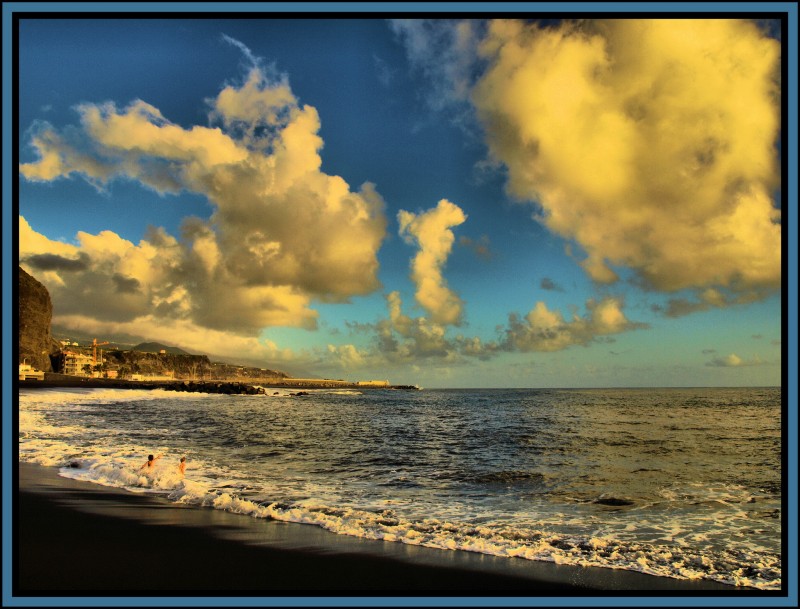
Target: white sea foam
(284, 392)
(277, 391)
(740, 569)
(66, 398)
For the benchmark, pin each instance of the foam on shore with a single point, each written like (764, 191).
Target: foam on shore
(349, 563)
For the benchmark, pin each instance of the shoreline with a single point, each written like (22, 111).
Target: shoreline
(88, 538)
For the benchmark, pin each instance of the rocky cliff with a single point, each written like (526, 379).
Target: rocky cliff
(36, 344)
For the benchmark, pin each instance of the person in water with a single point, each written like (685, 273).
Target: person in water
(182, 466)
(151, 461)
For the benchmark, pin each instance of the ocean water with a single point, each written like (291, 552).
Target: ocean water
(682, 483)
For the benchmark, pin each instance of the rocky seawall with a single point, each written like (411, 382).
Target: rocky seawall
(55, 381)
(52, 381)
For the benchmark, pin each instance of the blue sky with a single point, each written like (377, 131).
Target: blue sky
(545, 204)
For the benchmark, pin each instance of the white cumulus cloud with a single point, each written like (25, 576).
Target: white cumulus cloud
(430, 230)
(649, 142)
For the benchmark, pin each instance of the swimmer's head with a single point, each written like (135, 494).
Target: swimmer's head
(149, 457)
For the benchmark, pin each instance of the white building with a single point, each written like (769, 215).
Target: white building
(74, 363)
(28, 373)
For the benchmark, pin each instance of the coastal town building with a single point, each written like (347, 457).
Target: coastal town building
(29, 373)
(74, 363)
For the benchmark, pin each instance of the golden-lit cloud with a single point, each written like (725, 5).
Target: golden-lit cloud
(347, 357)
(142, 130)
(430, 230)
(404, 338)
(401, 339)
(252, 105)
(546, 330)
(119, 280)
(282, 234)
(58, 157)
(649, 142)
(115, 280)
(397, 339)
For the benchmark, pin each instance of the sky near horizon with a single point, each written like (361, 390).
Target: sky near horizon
(444, 202)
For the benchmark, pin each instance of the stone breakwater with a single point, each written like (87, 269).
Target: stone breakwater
(223, 387)
(227, 387)
(220, 387)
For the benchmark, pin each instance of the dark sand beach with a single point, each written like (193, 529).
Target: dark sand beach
(74, 538)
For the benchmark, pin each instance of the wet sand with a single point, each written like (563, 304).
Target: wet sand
(74, 538)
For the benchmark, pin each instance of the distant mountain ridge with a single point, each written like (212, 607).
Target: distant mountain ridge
(157, 348)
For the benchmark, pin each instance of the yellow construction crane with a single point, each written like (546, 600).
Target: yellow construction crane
(95, 344)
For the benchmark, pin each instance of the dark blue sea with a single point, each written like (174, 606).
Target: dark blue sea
(681, 483)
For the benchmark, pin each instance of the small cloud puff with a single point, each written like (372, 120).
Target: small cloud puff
(733, 361)
(480, 247)
(548, 284)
